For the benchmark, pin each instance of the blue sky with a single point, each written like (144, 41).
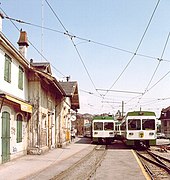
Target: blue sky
(115, 24)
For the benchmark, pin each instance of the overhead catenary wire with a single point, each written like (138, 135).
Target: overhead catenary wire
(130, 59)
(56, 15)
(131, 92)
(119, 49)
(32, 43)
(164, 48)
(84, 39)
(71, 38)
(160, 60)
(140, 42)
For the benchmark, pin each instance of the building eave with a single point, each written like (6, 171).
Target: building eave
(52, 80)
(4, 42)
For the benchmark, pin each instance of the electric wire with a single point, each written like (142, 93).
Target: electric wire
(80, 57)
(84, 39)
(140, 42)
(71, 38)
(158, 63)
(160, 60)
(32, 44)
(56, 16)
(32, 24)
(131, 92)
(158, 81)
(134, 54)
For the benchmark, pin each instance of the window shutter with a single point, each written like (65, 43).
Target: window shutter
(7, 69)
(19, 128)
(20, 78)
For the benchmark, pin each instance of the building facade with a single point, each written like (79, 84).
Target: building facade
(165, 121)
(35, 109)
(46, 96)
(15, 109)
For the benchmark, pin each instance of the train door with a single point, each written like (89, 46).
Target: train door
(5, 137)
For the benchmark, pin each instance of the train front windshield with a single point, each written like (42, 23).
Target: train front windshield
(135, 124)
(108, 126)
(98, 125)
(148, 124)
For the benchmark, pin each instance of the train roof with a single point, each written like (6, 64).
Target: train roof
(141, 113)
(103, 117)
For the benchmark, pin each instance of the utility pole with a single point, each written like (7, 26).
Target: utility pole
(122, 108)
(42, 25)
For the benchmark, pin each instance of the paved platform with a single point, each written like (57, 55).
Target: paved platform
(123, 164)
(120, 164)
(44, 166)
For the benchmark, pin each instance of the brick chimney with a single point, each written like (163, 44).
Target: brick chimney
(23, 43)
(1, 17)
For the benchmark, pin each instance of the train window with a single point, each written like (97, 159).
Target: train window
(98, 125)
(134, 124)
(148, 124)
(108, 126)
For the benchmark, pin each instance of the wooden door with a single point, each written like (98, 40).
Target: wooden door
(5, 137)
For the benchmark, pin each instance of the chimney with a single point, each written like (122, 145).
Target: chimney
(1, 17)
(23, 43)
(67, 78)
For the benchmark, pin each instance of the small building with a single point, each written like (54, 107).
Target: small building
(70, 105)
(165, 121)
(46, 95)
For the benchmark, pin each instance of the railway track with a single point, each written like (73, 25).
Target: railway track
(84, 168)
(157, 166)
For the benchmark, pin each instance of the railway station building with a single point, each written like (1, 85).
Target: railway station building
(35, 108)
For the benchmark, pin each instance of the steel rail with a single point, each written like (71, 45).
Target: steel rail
(160, 157)
(161, 165)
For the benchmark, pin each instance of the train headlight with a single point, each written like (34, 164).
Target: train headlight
(130, 134)
(95, 132)
(151, 134)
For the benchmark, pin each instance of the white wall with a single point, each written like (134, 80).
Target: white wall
(12, 87)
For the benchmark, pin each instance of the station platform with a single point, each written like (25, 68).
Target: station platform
(45, 166)
(120, 164)
(124, 163)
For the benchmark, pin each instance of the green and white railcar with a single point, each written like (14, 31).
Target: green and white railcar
(103, 129)
(140, 128)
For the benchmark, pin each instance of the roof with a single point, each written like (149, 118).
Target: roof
(166, 109)
(71, 90)
(52, 80)
(141, 113)
(42, 66)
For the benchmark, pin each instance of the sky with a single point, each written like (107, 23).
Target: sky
(117, 51)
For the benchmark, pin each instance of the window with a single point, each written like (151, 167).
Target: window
(108, 126)
(20, 78)
(98, 125)
(134, 124)
(7, 70)
(19, 128)
(148, 124)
